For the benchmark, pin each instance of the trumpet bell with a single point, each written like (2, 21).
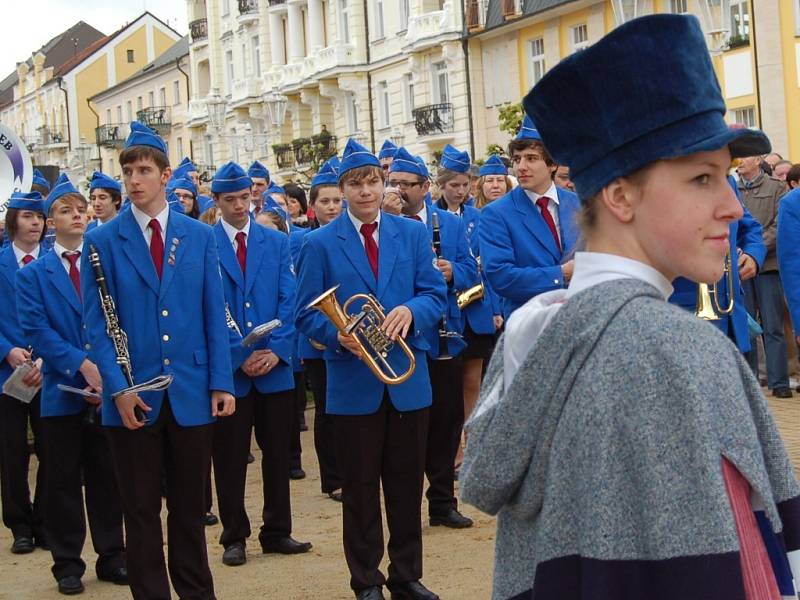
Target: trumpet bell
(704, 308)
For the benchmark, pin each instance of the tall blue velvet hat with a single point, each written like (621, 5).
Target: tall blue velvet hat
(405, 162)
(258, 170)
(493, 166)
(62, 187)
(27, 201)
(142, 135)
(454, 159)
(101, 180)
(355, 155)
(39, 179)
(665, 102)
(230, 177)
(326, 175)
(528, 131)
(388, 150)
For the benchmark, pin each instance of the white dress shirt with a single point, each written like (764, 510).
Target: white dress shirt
(552, 205)
(423, 213)
(357, 224)
(59, 250)
(19, 254)
(231, 232)
(143, 220)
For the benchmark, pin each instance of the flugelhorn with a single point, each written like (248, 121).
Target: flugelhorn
(365, 328)
(708, 307)
(466, 297)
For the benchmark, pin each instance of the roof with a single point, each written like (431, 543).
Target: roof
(57, 51)
(495, 18)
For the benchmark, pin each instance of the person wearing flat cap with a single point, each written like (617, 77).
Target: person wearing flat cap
(380, 429)
(75, 445)
(623, 443)
(25, 226)
(259, 175)
(105, 196)
(259, 287)
(528, 237)
(154, 259)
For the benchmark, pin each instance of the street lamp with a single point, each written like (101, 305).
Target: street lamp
(276, 108)
(216, 109)
(397, 137)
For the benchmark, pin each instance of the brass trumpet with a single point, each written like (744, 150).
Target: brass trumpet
(365, 327)
(707, 306)
(470, 295)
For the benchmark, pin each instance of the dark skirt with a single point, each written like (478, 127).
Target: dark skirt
(479, 345)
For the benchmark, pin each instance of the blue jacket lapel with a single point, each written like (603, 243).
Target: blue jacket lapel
(255, 254)
(61, 281)
(387, 252)
(136, 249)
(354, 250)
(174, 249)
(227, 257)
(568, 208)
(534, 221)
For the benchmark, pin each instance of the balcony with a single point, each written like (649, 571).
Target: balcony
(111, 135)
(155, 117)
(334, 56)
(434, 119)
(52, 138)
(199, 30)
(276, 2)
(423, 30)
(198, 113)
(248, 12)
(293, 73)
(284, 155)
(245, 91)
(277, 6)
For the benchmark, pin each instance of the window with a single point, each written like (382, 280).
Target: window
(179, 141)
(678, 7)
(580, 37)
(441, 91)
(408, 87)
(536, 66)
(405, 14)
(119, 113)
(226, 7)
(378, 20)
(245, 70)
(130, 56)
(745, 116)
(344, 22)
(162, 93)
(108, 115)
(352, 113)
(256, 56)
(740, 20)
(129, 112)
(229, 68)
(138, 103)
(176, 92)
(151, 99)
(383, 105)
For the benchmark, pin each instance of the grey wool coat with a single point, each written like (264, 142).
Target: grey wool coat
(602, 459)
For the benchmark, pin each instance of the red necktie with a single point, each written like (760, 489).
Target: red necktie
(156, 246)
(548, 218)
(415, 217)
(256, 210)
(27, 259)
(241, 250)
(367, 229)
(74, 274)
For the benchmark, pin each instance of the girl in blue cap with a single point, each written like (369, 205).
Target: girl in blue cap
(624, 443)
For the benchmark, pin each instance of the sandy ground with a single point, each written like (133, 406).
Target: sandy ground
(458, 563)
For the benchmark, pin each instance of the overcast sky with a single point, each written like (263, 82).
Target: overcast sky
(33, 22)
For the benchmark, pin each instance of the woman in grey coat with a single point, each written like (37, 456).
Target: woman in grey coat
(623, 443)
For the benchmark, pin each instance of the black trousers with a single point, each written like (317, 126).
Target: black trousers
(184, 454)
(74, 448)
(272, 416)
(299, 394)
(324, 430)
(444, 432)
(386, 447)
(22, 518)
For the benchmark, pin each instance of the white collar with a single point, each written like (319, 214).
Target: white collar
(592, 268)
(19, 254)
(423, 213)
(59, 249)
(551, 193)
(357, 223)
(143, 219)
(231, 231)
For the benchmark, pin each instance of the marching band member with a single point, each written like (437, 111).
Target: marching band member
(386, 156)
(105, 195)
(259, 286)
(187, 169)
(493, 181)
(527, 237)
(608, 483)
(39, 183)
(25, 226)
(154, 259)
(186, 192)
(380, 430)
(259, 175)
(50, 313)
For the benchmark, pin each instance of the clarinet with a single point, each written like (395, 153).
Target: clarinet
(437, 248)
(118, 336)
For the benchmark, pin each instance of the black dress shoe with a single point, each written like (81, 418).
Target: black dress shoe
(41, 542)
(210, 519)
(118, 576)
(335, 495)
(452, 518)
(370, 593)
(303, 427)
(70, 585)
(297, 474)
(285, 545)
(234, 555)
(782, 392)
(410, 590)
(250, 458)
(22, 545)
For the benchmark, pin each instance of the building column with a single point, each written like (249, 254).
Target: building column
(297, 43)
(276, 39)
(315, 22)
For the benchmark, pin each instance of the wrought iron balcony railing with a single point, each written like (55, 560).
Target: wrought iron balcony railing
(111, 135)
(157, 117)
(276, 2)
(199, 30)
(248, 6)
(48, 136)
(284, 155)
(433, 119)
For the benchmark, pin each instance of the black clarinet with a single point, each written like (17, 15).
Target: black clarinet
(437, 248)
(118, 336)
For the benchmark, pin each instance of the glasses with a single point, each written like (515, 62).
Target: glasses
(404, 185)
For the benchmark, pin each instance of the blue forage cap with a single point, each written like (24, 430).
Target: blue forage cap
(335, 163)
(454, 159)
(27, 201)
(101, 180)
(181, 171)
(187, 165)
(204, 202)
(273, 188)
(271, 205)
(528, 130)
(183, 183)
(175, 203)
(608, 131)
(38, 179)
(493, 166)
(142, 135)
(278, 210)
(325, 176)
(405, 162)
(354, 156)
(258, 170)
(230, 177)
(423, 167)
(62, 187)
(388, 150)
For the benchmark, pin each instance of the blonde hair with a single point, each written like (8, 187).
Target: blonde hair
(480, 199)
